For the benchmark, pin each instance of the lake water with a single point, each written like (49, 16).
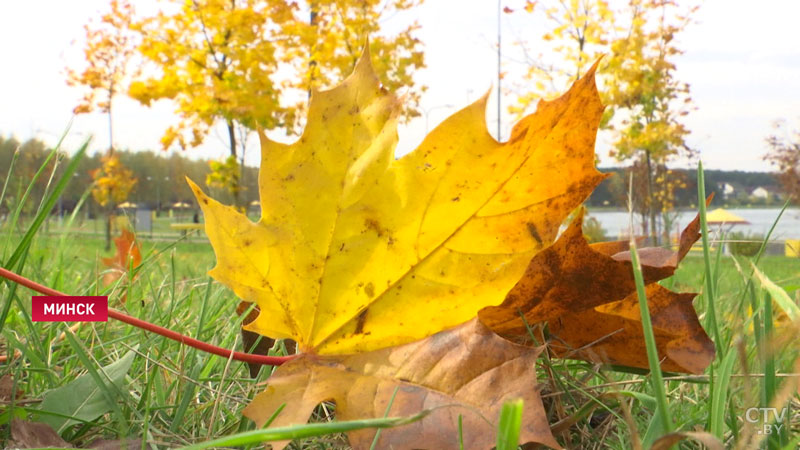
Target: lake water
(615, 223)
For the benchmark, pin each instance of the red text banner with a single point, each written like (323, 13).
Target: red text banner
(89, 308)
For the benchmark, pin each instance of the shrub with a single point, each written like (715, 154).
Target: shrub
(593, 231)
(744, 244)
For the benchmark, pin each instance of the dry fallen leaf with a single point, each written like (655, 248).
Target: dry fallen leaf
(357, 251)
(7, 391)
(26, 434)
(128, 256)
(466, 370)
(586, 294)
(612, 333)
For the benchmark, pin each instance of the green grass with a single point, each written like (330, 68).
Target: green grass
(784, 271)
(176, 396)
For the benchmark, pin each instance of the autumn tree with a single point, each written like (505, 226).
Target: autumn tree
(669, 182)
(643, 90)
(110, 46)
(645, 101)
(325, 47)
(579, 36)
(235, 61)
(784, 152)
(113, 181)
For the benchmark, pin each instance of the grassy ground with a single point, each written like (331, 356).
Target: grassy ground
(172, 395)
(689, 276)
(179, 396)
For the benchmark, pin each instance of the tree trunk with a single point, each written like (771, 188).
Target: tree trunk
(110, 208)
(110, 132)
(108, 224)
(650, 210)
(237, 186)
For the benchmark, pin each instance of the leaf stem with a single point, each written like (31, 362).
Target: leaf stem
(122, 317)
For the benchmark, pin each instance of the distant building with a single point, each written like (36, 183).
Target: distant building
(727, 189)
(730, 189)
(765, 193)
(760, 192)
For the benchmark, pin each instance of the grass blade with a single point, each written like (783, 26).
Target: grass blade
(778, 295)
(509, 425)
(48, 205)
(18, 257)
(719, 395)
(711, 312)
(385, 414)
(106, 382)
(304, 431)
(82, 399)
(650, 343)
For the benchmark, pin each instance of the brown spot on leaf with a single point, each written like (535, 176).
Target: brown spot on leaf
(534, 233)
(373, 225)
(361, 319)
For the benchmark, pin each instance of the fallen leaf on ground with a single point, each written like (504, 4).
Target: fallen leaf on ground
(587, 297)
(128, 256)
(466, 371)
(612, 333)
(357, 250)
(668, 441)
(7, 389)
(26, 434)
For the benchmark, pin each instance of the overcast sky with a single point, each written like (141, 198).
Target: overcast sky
(742, 61)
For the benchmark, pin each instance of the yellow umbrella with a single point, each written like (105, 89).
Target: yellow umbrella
(720, 215)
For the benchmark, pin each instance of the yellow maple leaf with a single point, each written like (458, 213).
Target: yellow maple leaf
(356, 250)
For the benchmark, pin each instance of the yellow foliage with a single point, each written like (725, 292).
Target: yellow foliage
(112, 181)
(109, 47)
(637, 72)
(357, 251)
(580, 34)
(233, 61)
(225, 175)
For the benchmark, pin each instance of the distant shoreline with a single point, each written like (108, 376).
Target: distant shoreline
(685, 209)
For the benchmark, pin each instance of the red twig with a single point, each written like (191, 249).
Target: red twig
(113, 313)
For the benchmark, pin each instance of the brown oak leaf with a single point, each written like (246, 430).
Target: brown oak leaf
(467, 370)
